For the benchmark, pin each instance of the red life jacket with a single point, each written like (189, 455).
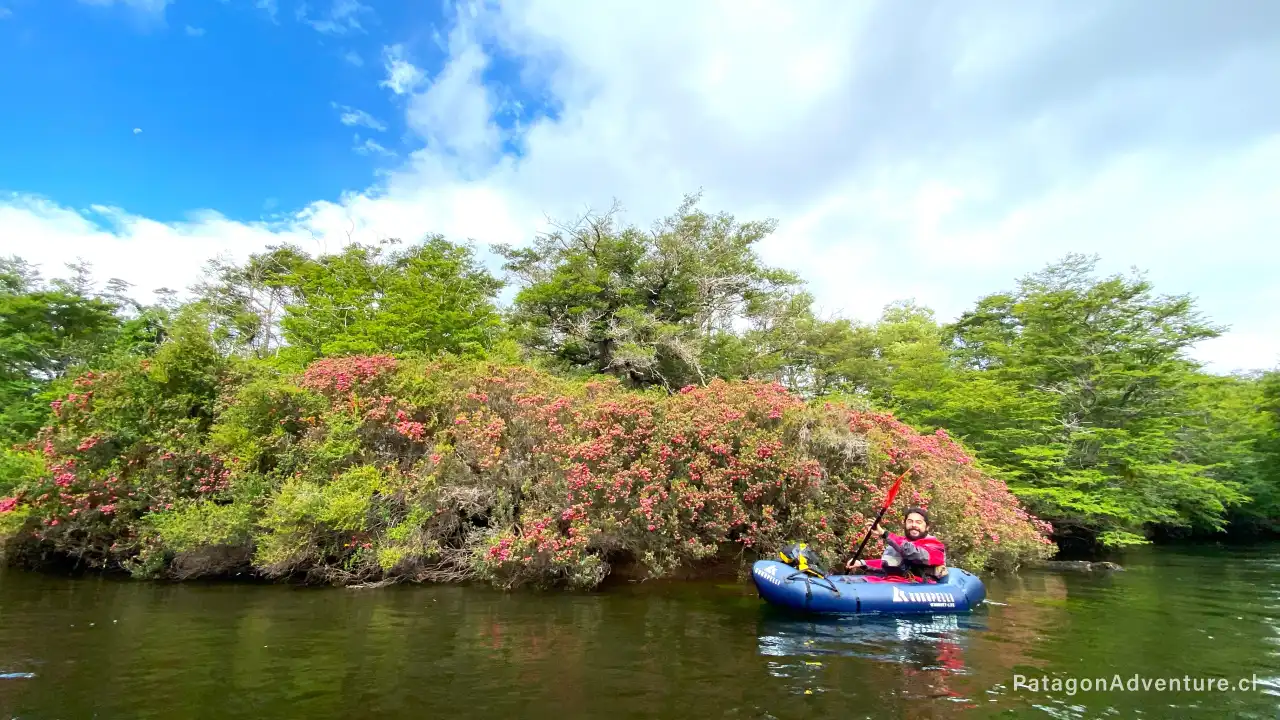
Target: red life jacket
(934, 547)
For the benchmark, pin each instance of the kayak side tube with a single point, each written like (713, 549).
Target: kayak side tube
(782, 585)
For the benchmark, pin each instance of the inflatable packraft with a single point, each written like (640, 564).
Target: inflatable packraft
(809, 591)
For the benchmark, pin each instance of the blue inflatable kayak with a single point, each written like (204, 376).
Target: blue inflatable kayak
(782, 585)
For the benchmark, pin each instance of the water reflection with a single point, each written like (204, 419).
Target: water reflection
(915, 657)
(921, 641)
(141, 650)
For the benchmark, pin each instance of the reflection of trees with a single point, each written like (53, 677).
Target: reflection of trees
(1035, 602)
(246, 651)
(1175, 616)
(657, 650)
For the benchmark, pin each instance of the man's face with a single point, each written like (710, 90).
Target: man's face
(915, 526)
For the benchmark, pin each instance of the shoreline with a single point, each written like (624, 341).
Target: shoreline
(630, 575)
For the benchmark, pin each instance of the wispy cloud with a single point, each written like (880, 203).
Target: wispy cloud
(369, 146)
(137, 131)
(352, 117)
(195, 31)
(343, 17)
(5, 13)
(402, 75)
(354, 58)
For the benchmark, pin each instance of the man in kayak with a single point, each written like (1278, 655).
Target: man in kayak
(915, 552)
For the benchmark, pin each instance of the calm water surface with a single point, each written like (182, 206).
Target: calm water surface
(94, 648)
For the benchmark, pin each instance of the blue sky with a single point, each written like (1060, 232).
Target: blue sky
(930, 150)
(238, 105)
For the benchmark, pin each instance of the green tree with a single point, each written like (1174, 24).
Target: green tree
(660, 307)
(1262, 473)
(1222, 431)
(1080, 391)
(428, 297)
(46, 329)
(245, 303)
(849, 359)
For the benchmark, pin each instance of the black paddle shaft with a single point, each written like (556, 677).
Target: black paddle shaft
(867, 537)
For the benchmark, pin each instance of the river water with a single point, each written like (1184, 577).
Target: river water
(99, 648)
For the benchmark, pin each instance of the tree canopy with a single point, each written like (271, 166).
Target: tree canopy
(647, 306)
(1079, 389)
(1076, 389)
(432, 296)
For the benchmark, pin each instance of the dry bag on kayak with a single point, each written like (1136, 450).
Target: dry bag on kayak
(803, 558)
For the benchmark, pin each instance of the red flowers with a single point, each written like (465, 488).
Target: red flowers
(344, 374)
(412, 430)
(559, 475)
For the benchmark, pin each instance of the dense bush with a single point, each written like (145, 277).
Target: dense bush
(370, 468)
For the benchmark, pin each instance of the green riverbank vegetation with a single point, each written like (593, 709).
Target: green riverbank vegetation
(651, 399)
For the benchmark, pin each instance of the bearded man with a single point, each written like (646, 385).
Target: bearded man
(915, 552)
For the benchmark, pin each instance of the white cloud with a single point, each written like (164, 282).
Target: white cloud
(147, 253)
(909, 150)
(370, 146)
(454, 114)
(343, 17)
(137, 131)
(354, 58)
(195, 31)
(402, 75)
(352, 117)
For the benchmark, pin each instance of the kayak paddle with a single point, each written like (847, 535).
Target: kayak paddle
(893, 493)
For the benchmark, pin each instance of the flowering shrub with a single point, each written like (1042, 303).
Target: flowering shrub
(341, 375)
(371, 468)
(124, 443)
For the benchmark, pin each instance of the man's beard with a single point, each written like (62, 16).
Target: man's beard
(914, 534)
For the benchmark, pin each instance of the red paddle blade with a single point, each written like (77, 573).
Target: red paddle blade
(893, 491)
